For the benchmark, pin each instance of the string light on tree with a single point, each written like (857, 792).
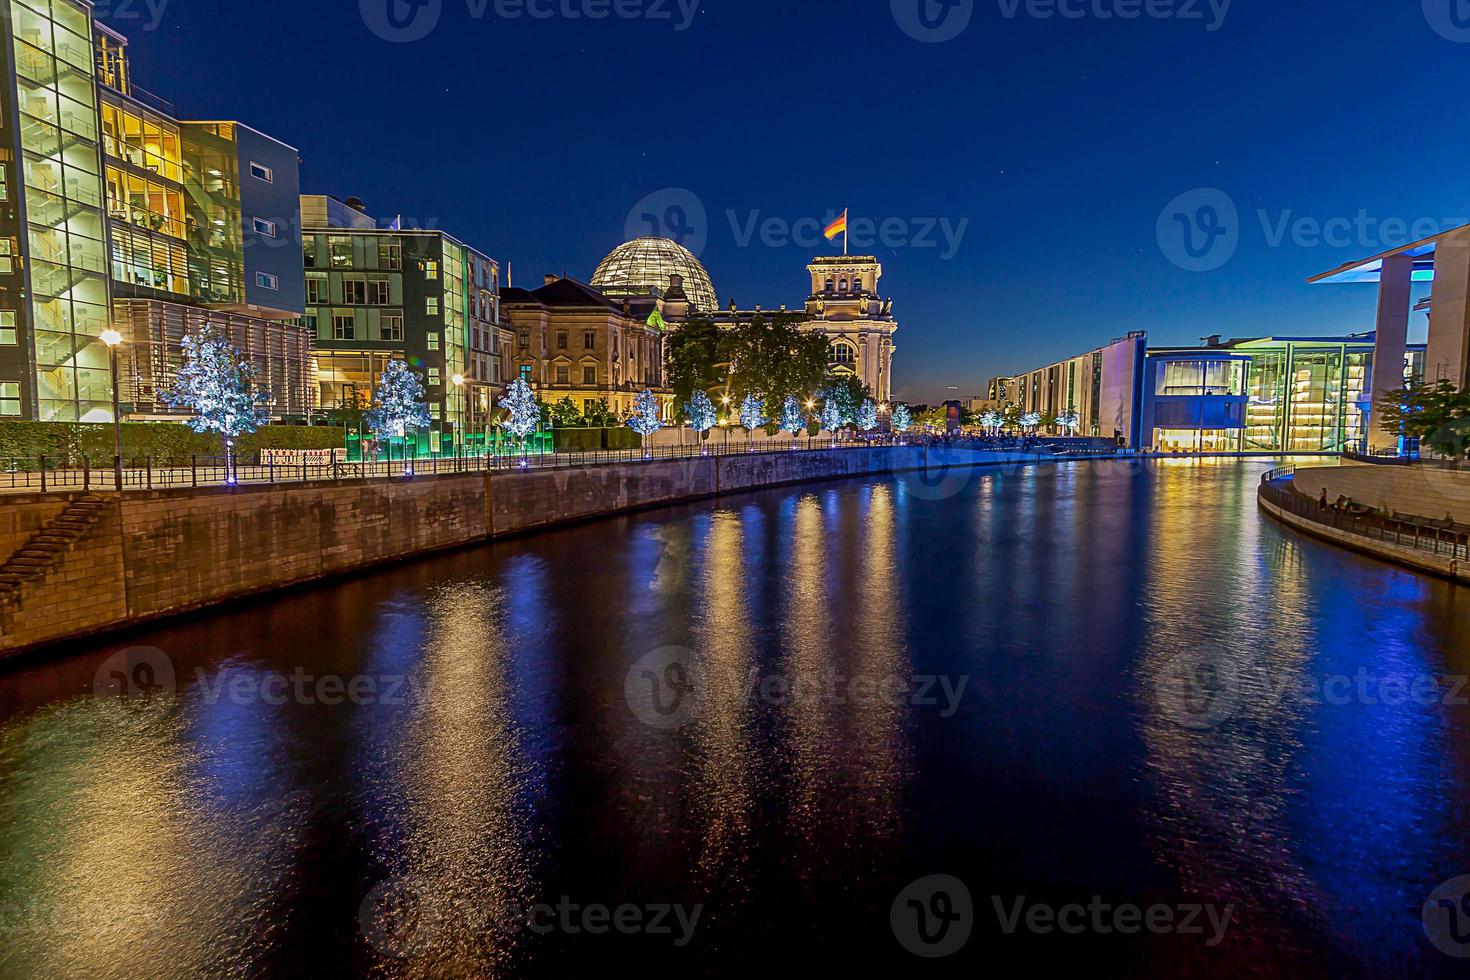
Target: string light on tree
(867, 416)
(832, 420)
(217, 384)
(398, 404)
(793, 419)
(752, 416)
(525, 414)
(645, 420)
(903, 419)
(702, 417)
(1030, 420)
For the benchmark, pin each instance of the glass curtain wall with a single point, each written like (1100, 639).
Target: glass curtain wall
(57, 109)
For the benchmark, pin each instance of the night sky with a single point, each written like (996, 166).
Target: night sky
(1055, 143)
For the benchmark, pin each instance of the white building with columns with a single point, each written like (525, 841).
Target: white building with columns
(1444, 261)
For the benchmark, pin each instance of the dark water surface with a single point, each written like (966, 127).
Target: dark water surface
(1091, 685)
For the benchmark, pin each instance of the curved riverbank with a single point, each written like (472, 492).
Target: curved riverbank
(1420, 546)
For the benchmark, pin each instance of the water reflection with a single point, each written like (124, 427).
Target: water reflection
(1085, 620)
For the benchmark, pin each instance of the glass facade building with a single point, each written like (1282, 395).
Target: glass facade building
(55, 273)
(105, 196)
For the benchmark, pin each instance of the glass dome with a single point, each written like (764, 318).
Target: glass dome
(648, 262)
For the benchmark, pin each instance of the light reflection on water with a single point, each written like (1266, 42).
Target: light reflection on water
(207, 833)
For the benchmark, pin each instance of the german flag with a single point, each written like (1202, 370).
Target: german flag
(838, 227)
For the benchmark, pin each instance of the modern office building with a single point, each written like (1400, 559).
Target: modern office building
(378, 294)
(574, 341)
(1265, 395)
(1102, 386)
(844, 304)
(113, 212)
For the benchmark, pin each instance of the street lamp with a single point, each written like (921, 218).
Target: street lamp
(113, 339)
(458, 380)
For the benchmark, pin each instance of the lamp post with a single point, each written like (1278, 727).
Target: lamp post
(113, 339)
(459, 413)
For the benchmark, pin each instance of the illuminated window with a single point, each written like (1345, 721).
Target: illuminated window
(340, 250)
(10, 399)
(844, 353)
(7, 328)
(526, 370)
(431, 306)
(7, 261)
(434, 380)
(267, 281)
(433, 339)
(431, 270)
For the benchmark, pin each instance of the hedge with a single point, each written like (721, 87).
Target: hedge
(595, 440)
(163, 441)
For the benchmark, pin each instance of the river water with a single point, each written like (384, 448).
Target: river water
(1132, 724)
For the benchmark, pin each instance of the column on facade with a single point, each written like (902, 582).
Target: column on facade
(1394, 299)
(1449, 315)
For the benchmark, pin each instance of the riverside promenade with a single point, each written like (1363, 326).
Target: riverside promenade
(1415, 516)
(84, 560)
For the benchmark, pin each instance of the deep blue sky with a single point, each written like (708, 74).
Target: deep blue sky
(1061, 141)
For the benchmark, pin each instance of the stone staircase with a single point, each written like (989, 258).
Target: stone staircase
(45, 549)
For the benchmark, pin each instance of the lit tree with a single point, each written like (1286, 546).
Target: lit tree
(832, 420)
(702, 417)
(645, 419)
(992, 420)
(1030, 420)
(793, 419)
(1069, 420)
(867, 416)
(217, 384)
(903, 419)
(752, 415)
(398, 402)
(525, 414)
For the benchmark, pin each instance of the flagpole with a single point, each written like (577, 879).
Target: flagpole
(845, 222)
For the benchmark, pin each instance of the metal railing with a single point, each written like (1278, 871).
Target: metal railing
(42, 474)
(1440, 538)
